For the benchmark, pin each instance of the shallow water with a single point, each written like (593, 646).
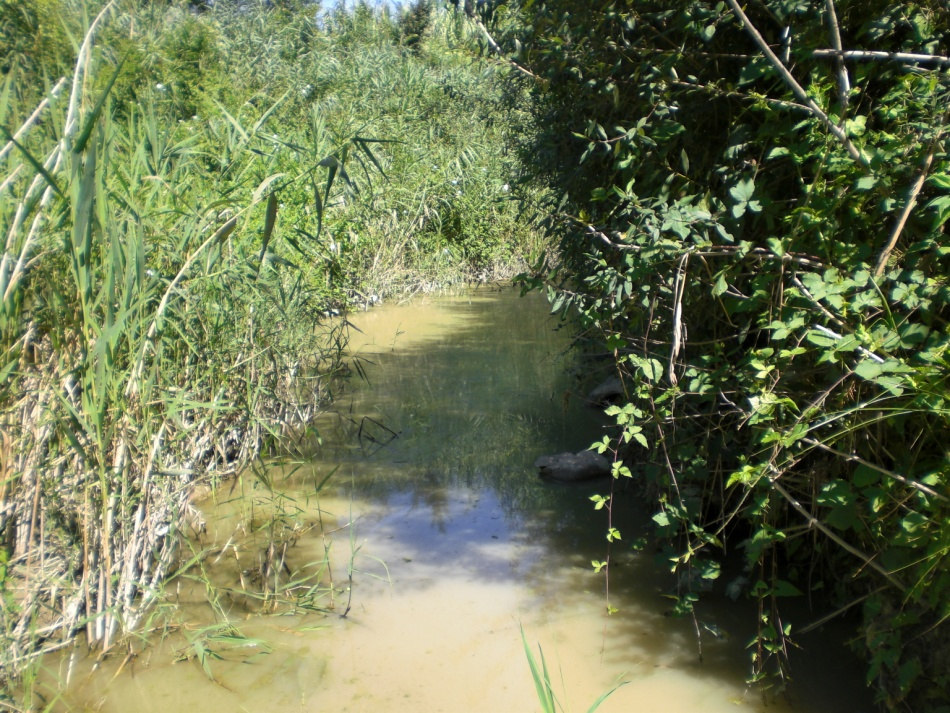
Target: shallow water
(455, 547)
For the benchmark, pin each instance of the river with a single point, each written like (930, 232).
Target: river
(443, 546)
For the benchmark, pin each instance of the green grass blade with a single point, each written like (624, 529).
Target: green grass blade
(33, 162)
(93, 116)
(605, 695)
(542, 681)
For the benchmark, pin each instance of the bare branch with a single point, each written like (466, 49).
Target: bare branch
(783, 103)
(679, 331)
(911, 202)
(496, 48)
(830, 534)
(591, 230)
(851, 457)
(858, 55)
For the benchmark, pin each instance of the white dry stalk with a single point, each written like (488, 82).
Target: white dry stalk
(844, 83)
(220, 234)
(82, 62)
(129, 575)
(31, 119)
(679, 331)
(876, 55)
(12, 277)
(834, 335)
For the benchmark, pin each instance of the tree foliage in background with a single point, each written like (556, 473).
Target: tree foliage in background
(752, 203)
(414, 22)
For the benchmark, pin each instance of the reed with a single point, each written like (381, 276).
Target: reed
(149, 339)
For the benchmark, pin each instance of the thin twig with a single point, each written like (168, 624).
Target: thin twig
(591, 230)
(834, 335)
(830, 534)
(496, 48)
(797, 88)
(762, 253)
(838, 612)
(852, 458)
(783, 103)
(679, 332)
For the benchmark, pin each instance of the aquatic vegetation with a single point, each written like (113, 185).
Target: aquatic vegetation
(543, 686)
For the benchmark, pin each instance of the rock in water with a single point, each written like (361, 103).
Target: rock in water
(572, 467)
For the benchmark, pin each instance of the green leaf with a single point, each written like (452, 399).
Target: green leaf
(651, 369)
(721, 285)
(865, 476)
(820, 339)
(743, 190)
(869, 369)
(37, 166)
(940, 180)
(866, 183)
(783, 588)
(941, 207)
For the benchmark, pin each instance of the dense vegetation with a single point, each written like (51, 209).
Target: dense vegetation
(752, 203)
(751, 220)
(189, 197)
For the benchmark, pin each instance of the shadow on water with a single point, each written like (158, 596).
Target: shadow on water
(442, 438)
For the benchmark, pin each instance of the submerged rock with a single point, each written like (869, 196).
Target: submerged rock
(572, 467)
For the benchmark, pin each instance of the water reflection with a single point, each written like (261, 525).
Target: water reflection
(456, 544)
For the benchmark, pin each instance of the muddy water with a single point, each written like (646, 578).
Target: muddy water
(444, 546)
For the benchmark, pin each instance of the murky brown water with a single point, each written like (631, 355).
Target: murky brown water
(455, 546)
